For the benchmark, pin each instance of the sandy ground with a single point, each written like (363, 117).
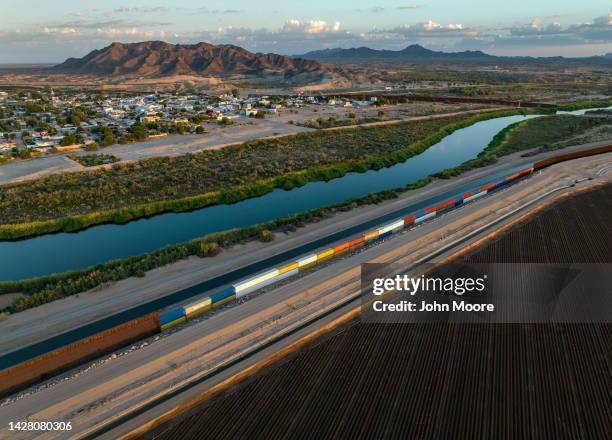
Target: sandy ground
(103, 390)
(244, 129)
(53, 318)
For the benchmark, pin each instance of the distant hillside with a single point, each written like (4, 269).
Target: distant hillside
(412, 52)
(157, 58)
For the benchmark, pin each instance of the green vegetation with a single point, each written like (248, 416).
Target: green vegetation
(73, 201)
(71, 139)
(92, 160)
(544, 134)
(266, 235)
(579, 105)
(333, 122)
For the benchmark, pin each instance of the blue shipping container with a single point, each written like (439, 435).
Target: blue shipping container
(500, 184)
(171, 315)
(385, 234)
(222, 294)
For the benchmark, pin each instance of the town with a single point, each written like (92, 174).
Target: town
(34, 123)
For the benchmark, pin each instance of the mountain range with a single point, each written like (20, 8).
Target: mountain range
(417, 52)
(157, 58)
(412, 52)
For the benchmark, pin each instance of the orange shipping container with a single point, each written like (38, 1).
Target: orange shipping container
(440, 206)
(487, 187)
(410, 219)
(357, 241)
(342, 247)
(519, 174)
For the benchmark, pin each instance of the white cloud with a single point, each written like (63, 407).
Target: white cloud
(61, 31)
(310, 27)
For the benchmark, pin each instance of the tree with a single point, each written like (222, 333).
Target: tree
(266, 235)
(200, 130)
(208, 249)
(139, 132)
(108, 137)
(69, 139)
(92, 146)
(236, 93)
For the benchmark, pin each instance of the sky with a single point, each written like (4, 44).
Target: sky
(43, 31)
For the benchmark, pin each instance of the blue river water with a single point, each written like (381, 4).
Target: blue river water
(57, 253)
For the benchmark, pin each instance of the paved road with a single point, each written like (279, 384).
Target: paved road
(119, 381)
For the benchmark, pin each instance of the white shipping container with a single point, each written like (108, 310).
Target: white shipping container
(245, 284)
(391, 226)
(425, 217)
(474, 197)
(266, 282)
(303, 261)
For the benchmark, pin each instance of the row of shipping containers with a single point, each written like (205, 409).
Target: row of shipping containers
(242, 288)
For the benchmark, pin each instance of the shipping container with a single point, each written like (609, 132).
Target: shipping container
(308, 260)
(468, 195)
(222, 294)
(170, 315)
(324, 255)
(224, 301)
(198, 307)
(385, 234)
(371, 235)
(391, 226)
(425, 217)
(253, 281)
(440, 206)
(486, 187)
(357, 242)
(288, 267)
(474, 197)
(174, 323)
(409, 220)
(266, 282)
(341, 247)
(500, 184)
(519, 174)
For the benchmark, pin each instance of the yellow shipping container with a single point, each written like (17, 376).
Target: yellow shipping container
(326, 254)
(197, 308)
(287, 268)
(174, 323)
(224, 301)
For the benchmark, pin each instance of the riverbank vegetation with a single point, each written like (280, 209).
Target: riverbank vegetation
(550, 133)
(532, 136)
(74, 201)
